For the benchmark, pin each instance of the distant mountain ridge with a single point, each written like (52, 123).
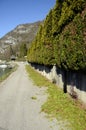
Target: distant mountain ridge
(23, 33)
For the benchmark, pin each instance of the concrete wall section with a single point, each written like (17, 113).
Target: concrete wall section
(71, 82)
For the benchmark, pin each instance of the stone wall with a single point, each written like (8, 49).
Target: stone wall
(72, 82)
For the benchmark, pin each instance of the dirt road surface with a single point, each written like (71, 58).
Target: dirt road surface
(18, 109)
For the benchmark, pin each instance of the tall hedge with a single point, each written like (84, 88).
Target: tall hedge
(61, 40)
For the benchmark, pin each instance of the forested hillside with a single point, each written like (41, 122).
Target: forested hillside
(61, 40)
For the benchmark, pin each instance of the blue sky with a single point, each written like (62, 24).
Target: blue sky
(15, 12)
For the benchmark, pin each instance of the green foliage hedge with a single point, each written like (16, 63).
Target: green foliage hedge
(61, 39)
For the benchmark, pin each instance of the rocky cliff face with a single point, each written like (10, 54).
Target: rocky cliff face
(23, 33)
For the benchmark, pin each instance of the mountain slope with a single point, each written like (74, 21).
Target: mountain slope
(23, 33)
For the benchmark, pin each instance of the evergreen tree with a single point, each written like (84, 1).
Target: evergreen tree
(56, 13)
(23, 50)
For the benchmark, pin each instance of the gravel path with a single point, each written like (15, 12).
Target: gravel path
(18, 109)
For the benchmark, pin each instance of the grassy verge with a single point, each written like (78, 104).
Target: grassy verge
(8, 73)
(59, 104)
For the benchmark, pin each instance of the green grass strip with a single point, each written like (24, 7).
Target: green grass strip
(37, 78)
(60, 105)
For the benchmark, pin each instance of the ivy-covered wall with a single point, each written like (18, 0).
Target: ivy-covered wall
(61, 39)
